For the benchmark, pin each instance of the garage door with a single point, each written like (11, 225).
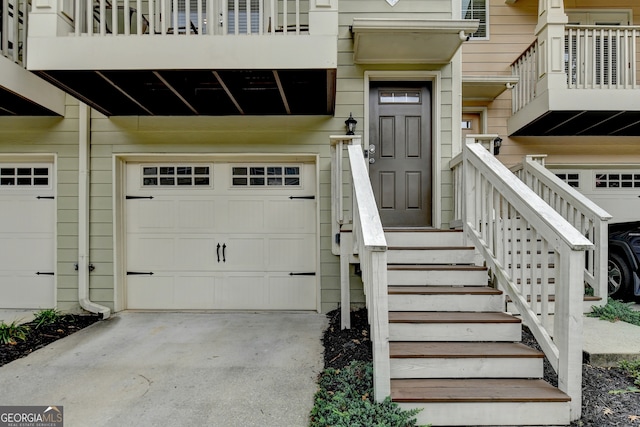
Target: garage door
(27, 236)
(221, 236)
(617, 191)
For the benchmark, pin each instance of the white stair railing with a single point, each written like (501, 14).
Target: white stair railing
(13, 29)
(191, 17)
(368, 244)
(587, 217)
(525, 242)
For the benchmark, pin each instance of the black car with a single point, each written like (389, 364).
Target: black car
(624, 260)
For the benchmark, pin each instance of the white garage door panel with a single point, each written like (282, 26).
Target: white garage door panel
(27, 231)
(162, 215)
(221, 247)
(293, 292)
(26, 252)
(294, 253)
(26, 291)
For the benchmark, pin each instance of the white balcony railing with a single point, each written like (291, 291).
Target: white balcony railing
(595, 57)
(585, 216)
(526, 68)
(13, 29)
(192, 17)
(368, 243)
(525, 243)
(601, 57)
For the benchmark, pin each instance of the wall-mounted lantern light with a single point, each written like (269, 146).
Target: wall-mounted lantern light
(497, 143)
(351, 124)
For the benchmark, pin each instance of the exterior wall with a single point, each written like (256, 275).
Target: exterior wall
(115, 136)
(53, 137)
(351, 96)
(211, 135)
(512, 30)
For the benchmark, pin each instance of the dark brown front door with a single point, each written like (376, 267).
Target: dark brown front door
(400, 169)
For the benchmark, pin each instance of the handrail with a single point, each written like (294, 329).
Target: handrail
(524, 242)
(586, 216)
(370, 246)
(526, 68)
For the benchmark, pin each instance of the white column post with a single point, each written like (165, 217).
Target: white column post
(550, 34)
(323, 17)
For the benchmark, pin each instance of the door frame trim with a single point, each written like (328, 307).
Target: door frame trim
(436, 87)
(119, 177)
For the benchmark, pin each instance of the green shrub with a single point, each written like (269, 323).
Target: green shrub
(345, 399)
(46, 317)
(12, 332)
(616, 310)
(633, 368)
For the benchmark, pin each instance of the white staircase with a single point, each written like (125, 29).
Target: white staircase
(454, 352)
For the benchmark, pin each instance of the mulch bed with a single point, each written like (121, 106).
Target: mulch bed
(43, 335)
(600, 407)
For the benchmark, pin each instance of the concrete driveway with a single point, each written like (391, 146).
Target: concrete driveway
(177, 369)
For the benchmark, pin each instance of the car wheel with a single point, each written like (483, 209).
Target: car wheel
(619, 276)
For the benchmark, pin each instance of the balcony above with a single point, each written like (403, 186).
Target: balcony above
(254, 60)
(593, 91)
(22, 93)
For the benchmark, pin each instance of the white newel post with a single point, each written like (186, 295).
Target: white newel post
(46, 19)
(323, 17)
(550, 34)
(568, 323)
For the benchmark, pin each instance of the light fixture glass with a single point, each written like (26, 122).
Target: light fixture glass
(351, 124)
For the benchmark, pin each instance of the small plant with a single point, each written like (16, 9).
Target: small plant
(46, 317)
(9, 333)
(616, 310)
(345, 399)
(633, 368)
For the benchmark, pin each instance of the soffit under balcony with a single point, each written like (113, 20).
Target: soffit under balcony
(24, 94)
(200, 92)
(408, 41)
(486, 88)
(583, 123)
(579, 112)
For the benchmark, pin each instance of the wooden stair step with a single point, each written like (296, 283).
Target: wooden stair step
(443, 290)
(418, 230)
(431, 248)
(450, 317)
(435, 267)
(415, 350)
(475, 390)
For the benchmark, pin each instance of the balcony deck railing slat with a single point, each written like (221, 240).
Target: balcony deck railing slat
(191, 17)
(13, 29)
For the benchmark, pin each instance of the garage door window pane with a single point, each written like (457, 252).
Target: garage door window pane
(24, 176)
(573, 179)
(617, 180)
(170, 176)
(277, 176)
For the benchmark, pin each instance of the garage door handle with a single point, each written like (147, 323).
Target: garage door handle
(45, 273)
(224, 252)
(302, 197)
(311, 273)
(139, 273)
